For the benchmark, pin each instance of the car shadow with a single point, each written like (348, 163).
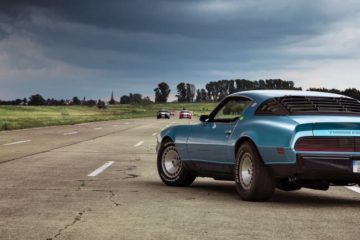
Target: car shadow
(310, 198)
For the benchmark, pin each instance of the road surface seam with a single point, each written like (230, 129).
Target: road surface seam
(68, 145)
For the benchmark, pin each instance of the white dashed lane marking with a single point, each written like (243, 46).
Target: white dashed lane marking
(100, 169)
(354, 188)
(70, 133)
(139, 144)
(97, 128)
(154, 134)
(18, 142)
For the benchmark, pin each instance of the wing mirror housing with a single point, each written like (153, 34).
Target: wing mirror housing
(204, 118)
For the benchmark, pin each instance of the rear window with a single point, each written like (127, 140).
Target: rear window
(293, 105)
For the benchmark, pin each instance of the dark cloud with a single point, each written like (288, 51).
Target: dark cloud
(122, 42)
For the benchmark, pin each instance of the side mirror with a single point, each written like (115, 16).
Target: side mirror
(204, 118)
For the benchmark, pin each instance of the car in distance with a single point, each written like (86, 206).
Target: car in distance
(185, 114)
(163, 113)
(267, 139)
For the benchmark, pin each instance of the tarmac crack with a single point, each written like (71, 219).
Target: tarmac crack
(112, 195)
(77, 218)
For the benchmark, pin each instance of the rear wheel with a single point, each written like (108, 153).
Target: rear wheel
(170, 167)
(253, 180)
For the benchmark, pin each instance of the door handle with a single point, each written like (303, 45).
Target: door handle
(228, 132)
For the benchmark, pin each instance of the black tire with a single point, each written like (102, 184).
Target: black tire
(260, 185)
(182, 177)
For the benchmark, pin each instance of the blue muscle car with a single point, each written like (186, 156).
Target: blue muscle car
(267, 139)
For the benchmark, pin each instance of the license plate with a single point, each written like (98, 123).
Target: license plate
(356, 166)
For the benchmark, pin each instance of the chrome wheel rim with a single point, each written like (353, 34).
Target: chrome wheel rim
(246, 171)
(171, 162)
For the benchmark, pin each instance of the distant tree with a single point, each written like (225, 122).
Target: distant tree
(101, 104)
(76, 101)
(37, 100)
(135, 98)
(352, 92)
(186, 92)
(112, 100)
(190, 92)
(162, 92)
(90, 103)
(198, 96)
(17, 101)
(147, 100)
(125, 99)
(202, 95)
(181, 92)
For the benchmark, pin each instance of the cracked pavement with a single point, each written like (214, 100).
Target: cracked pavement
(46, 193)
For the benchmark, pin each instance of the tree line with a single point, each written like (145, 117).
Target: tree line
(38, 100)
(214, 91)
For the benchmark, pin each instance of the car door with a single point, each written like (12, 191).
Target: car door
(209, 140)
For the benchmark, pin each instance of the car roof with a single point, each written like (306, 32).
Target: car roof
(262, 95)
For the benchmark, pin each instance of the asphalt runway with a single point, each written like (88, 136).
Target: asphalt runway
(99, 181)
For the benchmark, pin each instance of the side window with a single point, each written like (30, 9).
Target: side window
(271, 107)
(231, 110)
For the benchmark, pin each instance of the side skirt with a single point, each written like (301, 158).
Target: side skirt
(218, 171)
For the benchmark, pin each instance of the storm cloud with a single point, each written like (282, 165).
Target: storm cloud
(89, 48)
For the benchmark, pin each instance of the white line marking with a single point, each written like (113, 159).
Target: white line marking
(139, 144)
(100, 169)
(97, 128)
(354, 188)
(13, 143)
(154, 134)
(82, 124)
(71, 133)
(127, 123)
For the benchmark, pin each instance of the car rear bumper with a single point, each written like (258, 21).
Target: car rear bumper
(325, 167)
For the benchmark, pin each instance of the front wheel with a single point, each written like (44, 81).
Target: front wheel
(253, 180)
(171, 169)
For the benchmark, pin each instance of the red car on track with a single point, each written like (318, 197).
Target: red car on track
(185, 114)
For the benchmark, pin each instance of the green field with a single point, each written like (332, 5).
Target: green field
(16, 117)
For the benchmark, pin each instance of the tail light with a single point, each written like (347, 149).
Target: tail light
(328, 144)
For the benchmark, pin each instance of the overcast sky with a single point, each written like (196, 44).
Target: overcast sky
(89, 48)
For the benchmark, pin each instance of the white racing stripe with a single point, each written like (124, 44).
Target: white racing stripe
(354, 188)
(18, 142)
(154, 134)
(139, 144)
(70, 133)
(100, 169)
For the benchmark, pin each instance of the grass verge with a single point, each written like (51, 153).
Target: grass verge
(17, 117)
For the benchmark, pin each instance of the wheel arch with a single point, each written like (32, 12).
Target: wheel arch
(166, 139)
(243, 139)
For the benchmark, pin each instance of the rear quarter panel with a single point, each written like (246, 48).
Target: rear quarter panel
(269, 133)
